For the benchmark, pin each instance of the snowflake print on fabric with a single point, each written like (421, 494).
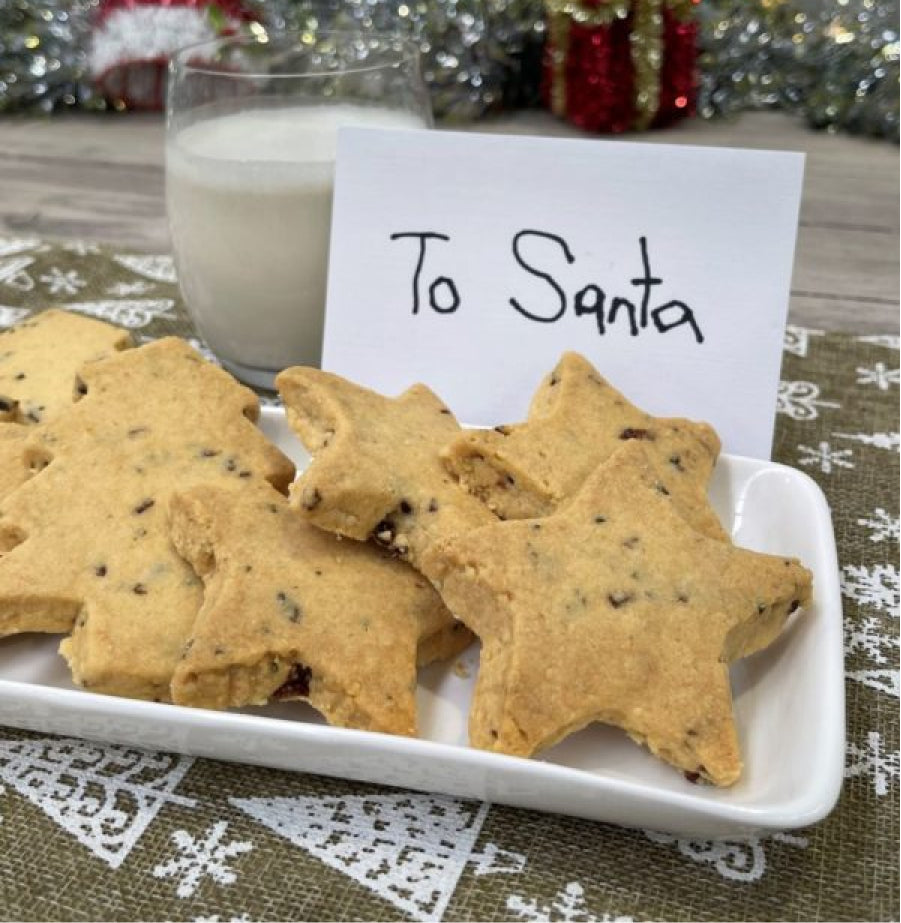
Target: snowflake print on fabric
(882, 526)
(876, 586)
(204, 857)
(825, 457)
(104, 795)
(63, 283)
(876, 440)
(733, 860)
(873, 760)
(138, 312)
(409, 849)
(800, 399)
(872, 640)
(568, 905)
(797, 339)
(879, 375)
(215, 918)
(10, 316)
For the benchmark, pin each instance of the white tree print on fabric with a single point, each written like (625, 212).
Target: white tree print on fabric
(888, 340)
(493, 860)
(13, 245)
(410, 849)
(876, 440)
(797, 339)
(735, 860)
(567, 905)
(125, 289)
(882, 526)
(81, 247)
(869, 638)
(133, 313)
(13, 274)
(102, 794)
(156, 268)
(10, 316)
(873, 760)
(885, 680)
(800, 399)
(876, 586)
(204, 857)
(210, 356)
(879, 375)
(825, 457)
(204, 350)
(63, 283)
(215, 918)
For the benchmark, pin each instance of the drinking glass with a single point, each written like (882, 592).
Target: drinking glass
(251, 133)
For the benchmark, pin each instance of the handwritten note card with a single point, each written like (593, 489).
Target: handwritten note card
(471, 262)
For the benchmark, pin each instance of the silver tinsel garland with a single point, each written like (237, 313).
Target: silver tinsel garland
(44, 55)
(836, 62)
(833, 61)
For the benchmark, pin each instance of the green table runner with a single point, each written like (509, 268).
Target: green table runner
(95, 831)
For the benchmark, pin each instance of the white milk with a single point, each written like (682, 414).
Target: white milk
(249, 200)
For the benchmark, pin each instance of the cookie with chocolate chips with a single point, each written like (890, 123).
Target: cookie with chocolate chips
(293, 612)
(577, 420)
(86, 542)
(376, 470)
(614, 609)
(39, 362)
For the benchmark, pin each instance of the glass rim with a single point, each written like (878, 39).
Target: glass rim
(178, 60)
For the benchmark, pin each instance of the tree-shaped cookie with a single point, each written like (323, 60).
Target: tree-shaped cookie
(376, 471)
(88, 549)
(291, 611)
(614, 609)
(576, 421)
(39, 361)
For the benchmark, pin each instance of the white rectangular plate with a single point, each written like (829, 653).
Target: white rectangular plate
(789, 705)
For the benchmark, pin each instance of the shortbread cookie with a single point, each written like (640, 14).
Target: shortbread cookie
(39, 361)
(89, 544)
(292, 612)
(13, 469)
(614, 609)
(576, 421)
(376, 471)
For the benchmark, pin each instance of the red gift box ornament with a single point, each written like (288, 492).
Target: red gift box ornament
(620, 65)
(133, 40)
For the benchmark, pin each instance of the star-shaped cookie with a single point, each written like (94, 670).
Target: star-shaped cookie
(376, 471)
(88, 548)
(576, 421)
(291, 611)
(39, 361)
(614, 609)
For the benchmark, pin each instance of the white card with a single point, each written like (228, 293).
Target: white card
(668, 267)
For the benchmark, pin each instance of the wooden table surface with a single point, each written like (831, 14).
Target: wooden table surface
(101, 177)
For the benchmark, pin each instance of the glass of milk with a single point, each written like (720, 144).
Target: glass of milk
(252, 128)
